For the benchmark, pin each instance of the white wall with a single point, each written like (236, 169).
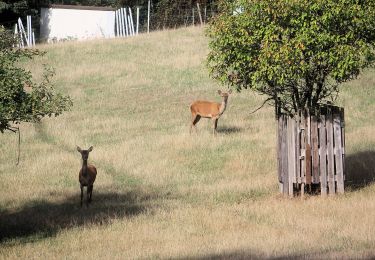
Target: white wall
(80, 24)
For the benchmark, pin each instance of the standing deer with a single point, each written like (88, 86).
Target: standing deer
(208, 109)
(87, 175)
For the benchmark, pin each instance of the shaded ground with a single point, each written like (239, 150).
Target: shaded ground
(44, 219)
(360, 169)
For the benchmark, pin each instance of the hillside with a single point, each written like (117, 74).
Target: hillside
(161, 192)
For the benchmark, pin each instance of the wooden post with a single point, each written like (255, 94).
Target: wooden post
(126, 22)
(148, 16)
(338, 151)
(193, 17)
(284, 151)
(330, 154)
(199, 13)
(137, 21)
(315, 150)
(131, 21)
(279, 134)
(323, 155)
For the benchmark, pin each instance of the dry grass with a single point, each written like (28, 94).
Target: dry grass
(161, 193)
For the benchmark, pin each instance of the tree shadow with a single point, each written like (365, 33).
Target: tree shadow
(235, 255)
(41, 219)
(229, 129)
(360, 169)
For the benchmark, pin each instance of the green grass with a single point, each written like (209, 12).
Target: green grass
(161, 192)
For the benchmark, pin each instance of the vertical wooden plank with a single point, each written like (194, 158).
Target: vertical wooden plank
(323, 155)
(342, 112)
(285, 157)
(148, 16)
(315, 150)
(338, 151)
(279, 134)
(303, 149)
(298, 150)
(308, 150)
(291, 150)
(330, 154)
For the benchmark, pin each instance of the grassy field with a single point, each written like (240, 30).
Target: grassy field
(160, 192)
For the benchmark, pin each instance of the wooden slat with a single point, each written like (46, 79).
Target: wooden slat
(279, 135)
(308, 164)
(315, 150)
(342, 115)
(284, 149)
(330, 155)
(298, 150)
(291, 155)
(338, 151)
(323, 155)
(308, 150)
(303, 149)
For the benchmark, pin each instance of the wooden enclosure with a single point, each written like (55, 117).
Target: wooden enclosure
(311, 150)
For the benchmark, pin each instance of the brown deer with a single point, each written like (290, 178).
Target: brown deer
(87, 175)
(208, 109)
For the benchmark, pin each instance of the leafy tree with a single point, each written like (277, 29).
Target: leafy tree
(296, 52)
(22, 99)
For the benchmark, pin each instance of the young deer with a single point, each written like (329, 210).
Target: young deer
(87, 174)
(208, 109)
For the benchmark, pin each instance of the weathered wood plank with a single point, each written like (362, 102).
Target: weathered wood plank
(323, 155)
(338, 151)
(303, 149)
(308, 150)
(342, 115)
(315, 150)
(279, 135)
(298, 150)
(330, 154)
(284, 147)
(289, 154)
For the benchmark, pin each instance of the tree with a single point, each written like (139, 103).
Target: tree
(22, 99)
(296, 52)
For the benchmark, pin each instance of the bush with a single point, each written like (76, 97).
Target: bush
(22, 99)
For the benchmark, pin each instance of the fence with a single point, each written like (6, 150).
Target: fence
(311, 150)
(26, 38)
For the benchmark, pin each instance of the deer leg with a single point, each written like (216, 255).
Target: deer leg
(194, 121)
(81, 194)
(88, 196)
(215, 125)
(91, 187)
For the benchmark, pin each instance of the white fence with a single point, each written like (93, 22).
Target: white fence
(26, 38)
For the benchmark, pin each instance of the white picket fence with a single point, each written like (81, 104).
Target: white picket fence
(125, 23)
(26, 38)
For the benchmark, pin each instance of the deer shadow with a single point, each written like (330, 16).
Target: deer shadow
(229, 129)
(42, 219)
(360, 170)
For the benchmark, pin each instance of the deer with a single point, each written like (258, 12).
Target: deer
(87, 175)
(208, 109)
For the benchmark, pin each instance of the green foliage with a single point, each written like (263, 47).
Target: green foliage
(296, 52)
(21, 99)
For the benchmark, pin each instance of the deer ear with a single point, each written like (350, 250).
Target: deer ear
(219, 92)
(79, 149)
(230, 91)
(90, 149)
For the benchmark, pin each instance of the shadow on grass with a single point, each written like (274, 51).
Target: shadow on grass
(229, 129)
(360, 169)
(40, 219)
(244, 255)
